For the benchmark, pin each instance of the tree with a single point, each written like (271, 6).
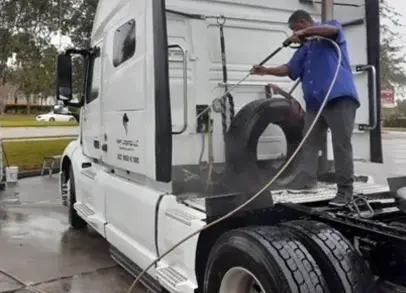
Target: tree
(392, 60)
(78, 22)
(26, 28)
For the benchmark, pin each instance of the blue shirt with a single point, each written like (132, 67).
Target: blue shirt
(315, 63)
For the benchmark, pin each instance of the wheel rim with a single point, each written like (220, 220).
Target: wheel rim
(240, 280)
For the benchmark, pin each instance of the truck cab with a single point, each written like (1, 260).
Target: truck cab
(152, 162)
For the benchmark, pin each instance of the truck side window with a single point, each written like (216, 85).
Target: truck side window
(95, 85)
(124, 43)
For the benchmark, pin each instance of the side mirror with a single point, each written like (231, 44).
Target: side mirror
(64, 78)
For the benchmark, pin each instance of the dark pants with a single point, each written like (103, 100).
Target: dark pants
(339, 117)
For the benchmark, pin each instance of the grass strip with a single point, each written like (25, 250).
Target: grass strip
(37, 124)
(29, 155)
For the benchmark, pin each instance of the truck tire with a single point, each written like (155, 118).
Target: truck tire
(266, 255)
(75, 221)
(342, 266)
(244, 132)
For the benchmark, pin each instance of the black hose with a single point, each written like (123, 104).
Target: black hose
(221, 21)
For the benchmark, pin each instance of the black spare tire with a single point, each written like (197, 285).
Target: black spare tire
(243, 169)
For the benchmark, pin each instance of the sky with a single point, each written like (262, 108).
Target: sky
(400, 6)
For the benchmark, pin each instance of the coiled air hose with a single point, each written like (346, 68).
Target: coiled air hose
(266, 186)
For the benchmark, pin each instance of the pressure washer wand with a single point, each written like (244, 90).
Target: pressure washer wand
(285, 44)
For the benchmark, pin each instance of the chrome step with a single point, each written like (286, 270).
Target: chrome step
(84, 210)
(172, 278)
(89, 173)
(181, 216)
(150, 283)
(325, 192)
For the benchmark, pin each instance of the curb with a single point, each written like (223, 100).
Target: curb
(36, 173)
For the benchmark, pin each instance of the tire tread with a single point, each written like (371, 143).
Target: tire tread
(335, 251)
(293, 258)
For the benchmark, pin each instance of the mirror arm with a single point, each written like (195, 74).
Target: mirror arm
(83, 52)
(75, 105)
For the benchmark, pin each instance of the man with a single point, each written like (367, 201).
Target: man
(315, 63)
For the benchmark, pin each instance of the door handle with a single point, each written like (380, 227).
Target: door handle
(185, 89)
(373, 98)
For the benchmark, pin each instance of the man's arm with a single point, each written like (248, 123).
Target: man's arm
(282, 70)
(324, 30)
(330, 29)
(293, 68)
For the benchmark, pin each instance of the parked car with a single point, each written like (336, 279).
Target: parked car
(52, 116)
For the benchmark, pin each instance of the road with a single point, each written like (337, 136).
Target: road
(39, 248)
(394, 156)
(16, 132)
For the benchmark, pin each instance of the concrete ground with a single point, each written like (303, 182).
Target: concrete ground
(394, 157)
(39, 249)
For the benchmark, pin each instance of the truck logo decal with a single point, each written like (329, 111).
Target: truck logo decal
(125, 123)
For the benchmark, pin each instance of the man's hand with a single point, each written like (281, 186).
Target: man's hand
(297, 37)
(282, 70)
(258, 70)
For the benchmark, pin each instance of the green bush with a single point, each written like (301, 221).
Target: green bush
(394, 121)
(22, 109)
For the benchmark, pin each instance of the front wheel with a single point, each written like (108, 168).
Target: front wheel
(261, 260)
(52, 119)
(75, 221)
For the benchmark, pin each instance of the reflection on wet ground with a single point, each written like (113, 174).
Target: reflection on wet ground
(38, 247)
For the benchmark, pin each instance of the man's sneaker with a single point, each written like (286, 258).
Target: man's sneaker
(299, 187)
(341, 200)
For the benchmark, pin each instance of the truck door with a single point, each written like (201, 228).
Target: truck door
(91, 129)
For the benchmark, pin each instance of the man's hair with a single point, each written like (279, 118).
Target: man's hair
(300, 15)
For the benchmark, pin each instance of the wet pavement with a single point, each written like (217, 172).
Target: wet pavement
(394, 158)
(39, 249)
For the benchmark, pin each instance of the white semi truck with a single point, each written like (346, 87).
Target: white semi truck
(149, 168)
